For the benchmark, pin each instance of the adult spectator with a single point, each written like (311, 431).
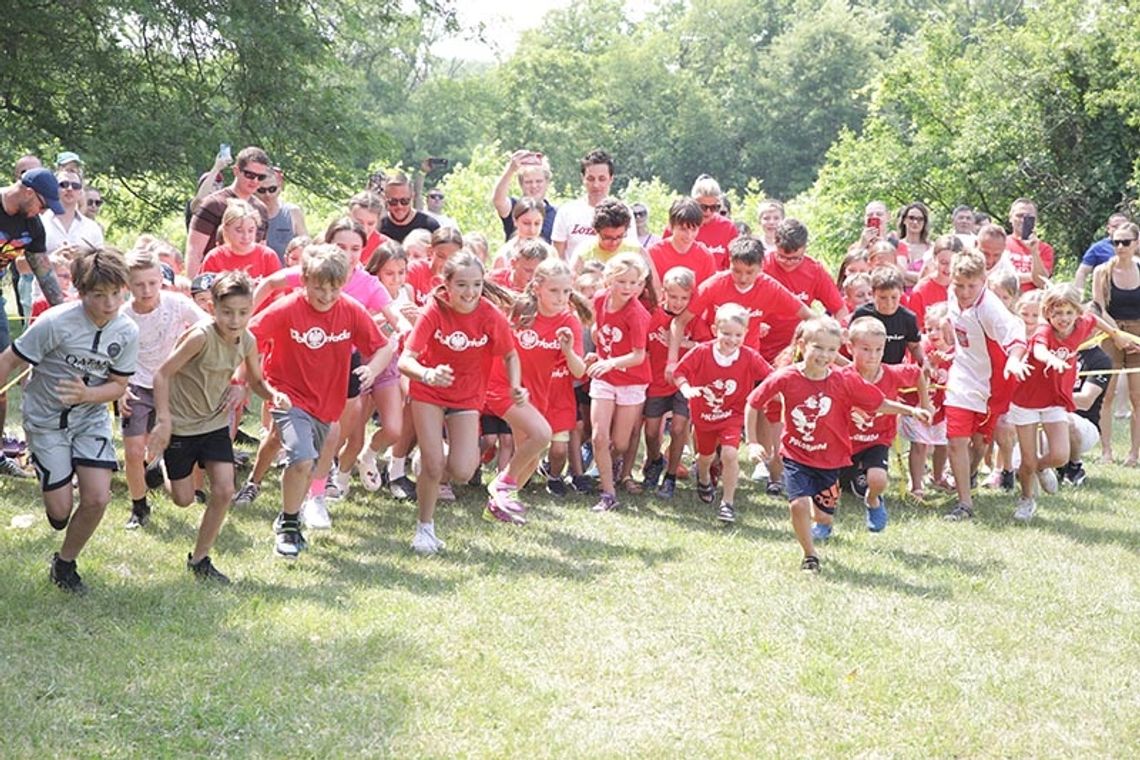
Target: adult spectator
(991, 244)
(1099, 252)
(434, 208)
(69, 161)
(914, 240)
(1093, 375)
(716, 231)
(965, 228)
(252, 168)
(209, 182)
(70, 232)
(401, 217)
(574, 223)
(1116, 292)
(22, 235)
(1032, 258)
(92, 202)
(876, 227)
(286, 220)
(25, 163)
(645, 236)
(533, 171)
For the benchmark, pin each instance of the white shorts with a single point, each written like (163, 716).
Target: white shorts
(1019, 415)
(1087, 435)
(917, 431)
(622, 395)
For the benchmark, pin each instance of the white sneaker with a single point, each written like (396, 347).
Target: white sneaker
(446, 493)
(760, 472)
(425, 542)
(368, 471)
(1026, 508)
(338, 484)
(1047, 478)
(315, 513)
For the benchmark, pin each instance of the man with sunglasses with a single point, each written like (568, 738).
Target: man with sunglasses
(251, 169)
(93, 202)
(401, 216)
(71, 232)
(22, 237)
(435, 209)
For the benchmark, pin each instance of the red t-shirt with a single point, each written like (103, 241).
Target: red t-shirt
(421, 279)
(697, 259)
(767, 301)
(1022, 259)
(715, 235)
(375, 240)
(468, 343)
(617, 333)
(881, 429)
(545, 373)
(926, 294)
(312, 350)
(817, 413)
(730, 385)
(258, 263)
(939, 369)
(809, 282)
(1040, 390)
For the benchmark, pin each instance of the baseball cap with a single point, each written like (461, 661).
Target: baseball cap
(202, 283)
(167, 273)
(43, 182)
(67, 157)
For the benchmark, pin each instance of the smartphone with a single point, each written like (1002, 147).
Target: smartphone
(1028, 223)
(437, 163)
(875, 222)
(532, 159)
(225, 153)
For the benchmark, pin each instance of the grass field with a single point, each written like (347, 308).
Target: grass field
(646, 632)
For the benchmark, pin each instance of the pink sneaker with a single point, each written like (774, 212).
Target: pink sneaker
(505, 496)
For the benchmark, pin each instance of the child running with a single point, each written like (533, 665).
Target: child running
(240, 249)
(192, 418)
(83, 354)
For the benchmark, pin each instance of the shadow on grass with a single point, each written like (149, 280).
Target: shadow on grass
(836, 570)
(927, 561)
(1125, 538)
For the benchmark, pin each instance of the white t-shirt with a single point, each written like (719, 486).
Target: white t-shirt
(159, 330)
(968, 386)
(83, 232)
(574, 225)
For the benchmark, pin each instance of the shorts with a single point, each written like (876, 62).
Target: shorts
(622, 395)
(141, 420)
(390, 375)
(562, 436)
(964, 423)
(1121, 360)
(706, 441)
(302, 435)
(802, 480)
(871, 457)
(56, 453)
(489, 424)
(1019, 415)
(658, 406)
(917, 431)
(185, 451)
(561, 410)
(1088, 436)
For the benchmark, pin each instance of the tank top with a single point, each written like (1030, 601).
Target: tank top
(1123, 304)
(280, 230)
(197, 388)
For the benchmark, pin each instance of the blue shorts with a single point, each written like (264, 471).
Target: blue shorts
(804, 480)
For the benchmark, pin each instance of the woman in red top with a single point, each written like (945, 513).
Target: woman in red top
(448, 357)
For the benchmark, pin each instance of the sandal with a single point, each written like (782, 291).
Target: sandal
(631, 486)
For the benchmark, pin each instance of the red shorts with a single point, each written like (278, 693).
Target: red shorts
(497, 403)
(706, 441)
(561, 410)
(964, 423)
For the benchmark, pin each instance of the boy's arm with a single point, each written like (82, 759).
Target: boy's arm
(676, 332)
(258, 383)
(894, 407)
(269, 283)
(916, 353)
(381, 359)
(9, 363)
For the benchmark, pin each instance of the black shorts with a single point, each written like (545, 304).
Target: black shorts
(870, 457)
(185, 451)
(492, 425)
(657, 406)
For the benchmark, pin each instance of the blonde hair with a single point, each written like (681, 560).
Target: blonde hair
(855, 280)
(866, 327)
(525, 308)
(969, 264)
(731, 312)
(533, 250)
(1004, 281)
(682, 277)
(936, 313)
(1057, 295)
(324, 263)
(819, 326)
(142, 258)
(237, 210)
(622, 263)
(705, 185)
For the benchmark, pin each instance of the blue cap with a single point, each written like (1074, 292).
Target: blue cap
(43, 182)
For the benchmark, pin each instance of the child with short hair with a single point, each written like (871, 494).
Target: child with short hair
(162, 318)
(83, 354)
(978, 390)
(857, 291)
(426, 274)
(716, 377)
(240, 249)
(192, 418)
(681, 248)
(934, 285)
(1045, 399)
(899, 321)
(312, 333)
(611, 223)
(938, 348)
(872, 436)
(818, 401)
(619, 371)
(524, 260)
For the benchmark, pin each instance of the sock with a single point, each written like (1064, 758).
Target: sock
(286, 516)
(139, 505)
(426, 527)
(396, 467)
(317, 488)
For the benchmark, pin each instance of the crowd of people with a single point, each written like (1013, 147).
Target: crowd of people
(396, 351)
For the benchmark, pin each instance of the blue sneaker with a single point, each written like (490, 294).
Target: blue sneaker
(877, 517)
(820, 532)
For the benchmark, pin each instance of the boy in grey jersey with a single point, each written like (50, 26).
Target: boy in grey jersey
(82, 353)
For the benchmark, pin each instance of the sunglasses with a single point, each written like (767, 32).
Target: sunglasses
(1123, 241)
(435, 196)
(267, 190)
(253, 175)
(399, 201)
(70, 185)
(710, 206)
(95, 202)
(641, 214)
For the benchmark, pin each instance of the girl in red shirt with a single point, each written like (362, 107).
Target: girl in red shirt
(448, 357)
(240, 249)
(424, 275)
(619, 371)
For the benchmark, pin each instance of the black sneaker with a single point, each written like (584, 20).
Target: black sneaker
(959, 513)
(200, 496)
(154, 476)
(1077, 474)
(402, 488)
(476, 480)
(245, 439)
(774, 488)
(583, 484)
(667, 488)
(204, 570)
(64, 575)
(556, 487)
(290, 542)
(726, 514)
(140, 516)
(810, 564)
(859, 484)
(705, 491)
(651, 473)
(1007, 480)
